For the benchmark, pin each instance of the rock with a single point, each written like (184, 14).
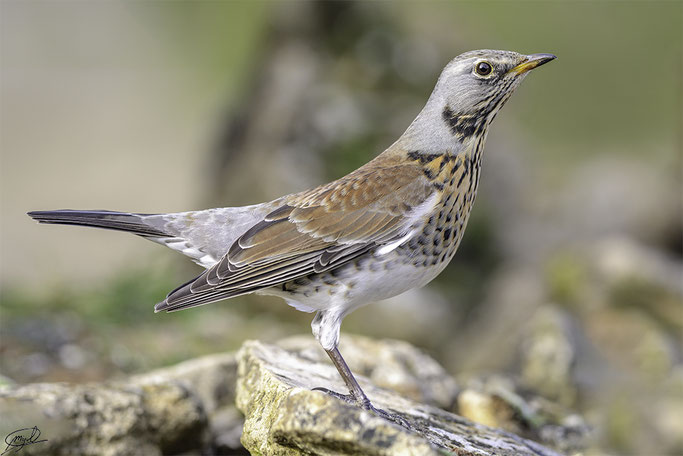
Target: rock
(392, 365)
(105, 420)
(191, 408)
(184, 408)
(284, 416)
(547, 356)
(212, 380)
(500, 402)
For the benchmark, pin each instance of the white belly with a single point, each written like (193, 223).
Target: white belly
(373, 279)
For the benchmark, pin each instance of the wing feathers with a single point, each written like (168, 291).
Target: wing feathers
(312, 232)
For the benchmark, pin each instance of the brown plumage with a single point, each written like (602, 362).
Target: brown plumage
(316, 230)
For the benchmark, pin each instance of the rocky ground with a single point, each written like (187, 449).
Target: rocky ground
(260, 401)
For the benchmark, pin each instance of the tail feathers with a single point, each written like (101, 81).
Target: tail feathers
(121, 221)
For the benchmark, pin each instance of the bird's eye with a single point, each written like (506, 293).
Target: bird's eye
(483, 68)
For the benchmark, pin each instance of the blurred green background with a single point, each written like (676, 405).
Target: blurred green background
(570, 275)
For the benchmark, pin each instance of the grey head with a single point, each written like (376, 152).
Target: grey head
(469, 93)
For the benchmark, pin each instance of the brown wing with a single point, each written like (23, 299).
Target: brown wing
(311, 232)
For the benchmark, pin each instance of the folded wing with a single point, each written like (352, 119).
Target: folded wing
(314, 231)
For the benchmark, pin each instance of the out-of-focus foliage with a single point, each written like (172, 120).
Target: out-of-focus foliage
(569, 275)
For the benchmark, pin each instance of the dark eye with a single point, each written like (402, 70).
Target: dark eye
(483, 68)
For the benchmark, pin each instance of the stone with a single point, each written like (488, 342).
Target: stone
(501, 402)
(547, 356)
(185, 408)
(390, 364)
(285, 416)
(104, 419)
(212, 380)
(196, 407)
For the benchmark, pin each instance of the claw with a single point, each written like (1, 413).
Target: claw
(367, 405)
(393, 417)
(343, 397)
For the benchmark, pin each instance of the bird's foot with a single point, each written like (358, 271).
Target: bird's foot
(365, 404)
(393, 417)
(348, 398)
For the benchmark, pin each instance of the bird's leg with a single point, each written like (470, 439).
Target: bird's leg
(357, 396)
(325, 327)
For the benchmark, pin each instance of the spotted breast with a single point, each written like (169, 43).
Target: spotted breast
(414, 259)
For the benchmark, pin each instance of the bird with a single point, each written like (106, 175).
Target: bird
(389, 226)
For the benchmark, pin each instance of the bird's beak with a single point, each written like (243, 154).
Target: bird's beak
(532, 61)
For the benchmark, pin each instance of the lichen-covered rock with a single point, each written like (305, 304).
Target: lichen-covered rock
(392, 365)
(190, 408)
(212, 380)
(499, 402)
(104, 420)
(285, 417)
(547, 356)
(184, 408)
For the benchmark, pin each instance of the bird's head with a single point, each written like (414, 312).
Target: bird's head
(479, 82)
(470, 91)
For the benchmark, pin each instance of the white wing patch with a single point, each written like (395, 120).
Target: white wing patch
(414, 218)
(394, 245)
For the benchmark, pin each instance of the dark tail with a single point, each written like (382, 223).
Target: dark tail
(121, 221)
